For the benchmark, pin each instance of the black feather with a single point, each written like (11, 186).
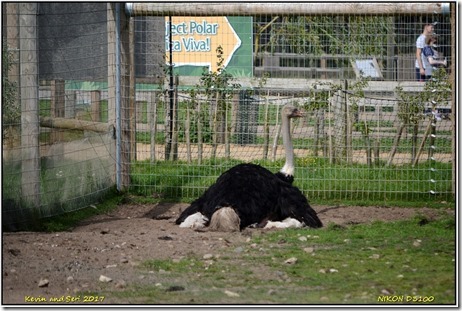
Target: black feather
(286, 178)
(256, 194)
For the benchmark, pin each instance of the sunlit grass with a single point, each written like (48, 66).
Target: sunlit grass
(317, 178)
(358, 264)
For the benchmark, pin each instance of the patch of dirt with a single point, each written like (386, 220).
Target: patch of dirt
(65, 264)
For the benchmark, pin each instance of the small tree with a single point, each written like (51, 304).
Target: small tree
(321, 94)
(410, 112)
(357, 93)
(436, 91)
(219, 89)
(411, 108)
(318, 103)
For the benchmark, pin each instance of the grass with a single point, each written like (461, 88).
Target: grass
(359, 264)
(67, 221)
(321, 181)
(70, 186)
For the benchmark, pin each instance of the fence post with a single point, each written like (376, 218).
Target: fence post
(57, 98)
(152, 115)
(453, 95)
(95, 105)
(69, 109)
(119, 90)
(57, 107)
(30, 183)
(133, 118)
(340, 127)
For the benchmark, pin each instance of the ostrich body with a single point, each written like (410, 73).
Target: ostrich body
(255, 194)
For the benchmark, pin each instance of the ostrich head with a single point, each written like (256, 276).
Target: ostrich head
(288, 112)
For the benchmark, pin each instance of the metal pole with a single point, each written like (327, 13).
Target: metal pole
(282, 8)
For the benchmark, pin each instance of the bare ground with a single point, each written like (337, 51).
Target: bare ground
(67, 264)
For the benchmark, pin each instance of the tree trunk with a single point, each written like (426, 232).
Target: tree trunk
(415, 133)
(422, 144)
(317, 126)
(367, 142)
(431, 149)
(394, 148)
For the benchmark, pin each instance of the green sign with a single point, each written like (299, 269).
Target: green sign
(195, 40)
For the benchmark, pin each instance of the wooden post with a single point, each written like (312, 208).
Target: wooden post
(378, 111)
(323, 66)
(123, 93)
(266, 127)
(133, 118)
(57, 98)
(453, 95)
(30, 184)
(111, 74)
(138, 111)
(152, 104)
(340, 129)
(176, 105)
(187, 131)
(111, 84)
(389, 74)
(57, 107)
(71, 100)
(198, 118)
(73, 124)
(95, 105)
(348, 127)
(125, 67)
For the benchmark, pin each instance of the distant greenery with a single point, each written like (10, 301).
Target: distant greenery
(84, 110)
(351, 35)
(357, 264)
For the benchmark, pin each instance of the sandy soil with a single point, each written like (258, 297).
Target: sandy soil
(65, 264)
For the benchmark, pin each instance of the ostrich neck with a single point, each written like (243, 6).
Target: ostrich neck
(289, 167)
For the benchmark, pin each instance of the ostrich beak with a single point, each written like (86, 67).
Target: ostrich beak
(297, 113)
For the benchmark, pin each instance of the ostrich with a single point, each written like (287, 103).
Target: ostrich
(249, 194)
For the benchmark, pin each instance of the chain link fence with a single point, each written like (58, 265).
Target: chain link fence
(99, 95)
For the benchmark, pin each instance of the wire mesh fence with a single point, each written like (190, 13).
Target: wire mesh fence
(161, 105)
(342, 152)
(57, 153)
(367, 140)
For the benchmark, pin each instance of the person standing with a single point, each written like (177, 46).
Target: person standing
(420, 44)
(431, 56)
